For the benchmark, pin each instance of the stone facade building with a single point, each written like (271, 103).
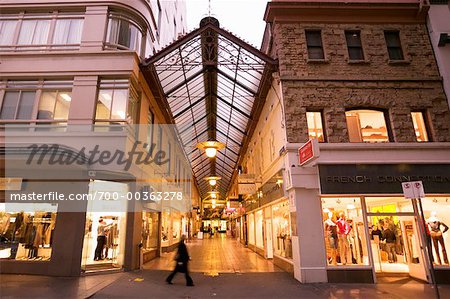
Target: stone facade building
(358, 94)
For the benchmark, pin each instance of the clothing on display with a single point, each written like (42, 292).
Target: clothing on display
(332, 237)
(437, 237)
(343, 243)
(27, 236)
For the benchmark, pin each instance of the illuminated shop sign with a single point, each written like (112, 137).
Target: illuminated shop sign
(382, 178)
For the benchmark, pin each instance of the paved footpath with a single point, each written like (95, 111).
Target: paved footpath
(150, 284)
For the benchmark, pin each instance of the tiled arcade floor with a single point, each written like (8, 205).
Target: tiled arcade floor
(217, 255)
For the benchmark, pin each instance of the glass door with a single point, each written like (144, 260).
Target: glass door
(396, 244)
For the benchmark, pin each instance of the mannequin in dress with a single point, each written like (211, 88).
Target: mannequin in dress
(331, 235)
(436, 236)
(342, 232)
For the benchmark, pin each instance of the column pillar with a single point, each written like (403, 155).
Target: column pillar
(308, 244)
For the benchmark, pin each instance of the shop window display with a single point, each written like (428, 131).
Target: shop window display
(251, 229)
(259, 229)
(150, 222)
(282, 230)
(437, 217)
(165, 223)
(345, 239)
(27, 235)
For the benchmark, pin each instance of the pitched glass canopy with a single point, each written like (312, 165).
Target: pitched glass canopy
(214, 86)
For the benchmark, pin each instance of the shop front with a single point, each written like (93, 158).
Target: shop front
(371, 231)
(269, 221)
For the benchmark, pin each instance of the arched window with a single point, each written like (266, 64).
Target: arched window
(366, 126)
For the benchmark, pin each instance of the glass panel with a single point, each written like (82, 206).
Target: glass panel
(388, 205)
(355, 53)
(7, 29)
(437, 216)
(104, 236)
(345, 236)
(394, 45)
(104, 104)
(282, 243)
(9, 106)
(34, 32)
(26, 105)
(27, 235)
(68, 31)
(419, 126)
(251, 229)
(150, 229)
(315, 129)
(366, 126)
(63, 105)
(259, 228)
(315, 53)
(47, 105)
(314, 38)
(353, 38)
(119, 107)
(395, 243)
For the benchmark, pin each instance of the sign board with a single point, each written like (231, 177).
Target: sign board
(382, 178)
(247, 188)
(308, 152)
(413, 189)
(246, 178)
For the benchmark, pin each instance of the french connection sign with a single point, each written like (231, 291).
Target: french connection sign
(382, 178)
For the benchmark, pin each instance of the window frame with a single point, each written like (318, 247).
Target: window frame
(39, 87)
(350, 33)
(399, 47)
(322, 121)
(53, 17)
(386, 120)
(113, 84)
(427, 124)
(309, 46)
(115, 45)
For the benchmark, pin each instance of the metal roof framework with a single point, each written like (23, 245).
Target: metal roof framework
(213, 85)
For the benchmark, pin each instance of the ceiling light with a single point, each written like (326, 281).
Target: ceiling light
(212, 180)
(210, 147)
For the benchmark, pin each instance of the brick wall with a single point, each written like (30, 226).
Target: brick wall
(336, 85)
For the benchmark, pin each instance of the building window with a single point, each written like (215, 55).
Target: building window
(50, 31)
(367, 126)
(345, 237)
(354, 46)
(315, 126)
(51, 99)
(7, 30)
(314, 44)
(394, 45)
(419, 126)
(68, 31)
(112, 101)
(124, 34)
(34, 32)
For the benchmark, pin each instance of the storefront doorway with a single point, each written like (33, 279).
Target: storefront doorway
(396, 245)
(104, 241)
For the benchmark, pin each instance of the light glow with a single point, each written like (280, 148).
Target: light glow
(211, 152)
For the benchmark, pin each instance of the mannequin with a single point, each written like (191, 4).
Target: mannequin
(331, 235)
(343, 231)
(436, 236)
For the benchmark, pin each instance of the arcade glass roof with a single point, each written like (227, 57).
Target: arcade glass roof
(214, 86)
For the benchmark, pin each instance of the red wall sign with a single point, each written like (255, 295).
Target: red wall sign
(308, 151)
